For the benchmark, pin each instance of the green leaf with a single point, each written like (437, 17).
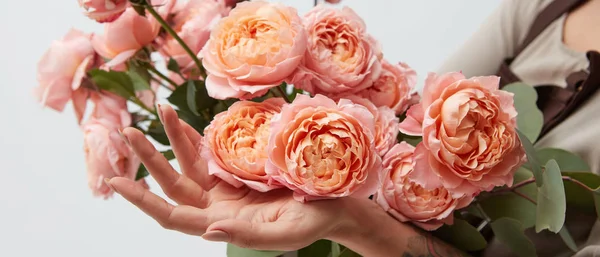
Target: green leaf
(169, 155)
(532, 160)
(191, 98)
(173, 66)
(335, 249)
(597, 203)
(511, 206)
(319, 248)
(141, 173)
(551, 200)
(568, 239)
(411, 140)
(139, 83)
(181, 98)
(579, 197)
(462, 235)
(197, 122)
(349, 253)
(157, 132)
(118, 83)
(530, 119)
(567, 161)
(511, 233)
(234, 251)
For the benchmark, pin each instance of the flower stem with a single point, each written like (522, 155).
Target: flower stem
(283, 94)
(316, 3)
(143, 106)
(171, 32)
(162, 76)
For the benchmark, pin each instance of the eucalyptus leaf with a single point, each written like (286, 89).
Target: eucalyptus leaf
(580, 197)
(568, 239)
(597, 203)
(551, 200)
(567, 161)
(462, 235)
(319, 248)
(529, 119)
(115, 82)
(511, 233)
(234, 251)
(349, 253)
(510, 206)
(532, 159)
(335, 249)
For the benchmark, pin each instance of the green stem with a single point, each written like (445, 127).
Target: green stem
(143, 106)
(162, 76)
(283, 94)
(171, 32)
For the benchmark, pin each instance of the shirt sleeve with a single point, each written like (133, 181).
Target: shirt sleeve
(495, 40)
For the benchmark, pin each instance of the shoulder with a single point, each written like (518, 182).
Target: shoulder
(519, 15)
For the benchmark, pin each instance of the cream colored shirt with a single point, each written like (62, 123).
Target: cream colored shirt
(547, 60)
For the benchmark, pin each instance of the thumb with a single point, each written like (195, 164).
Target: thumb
(276, 236)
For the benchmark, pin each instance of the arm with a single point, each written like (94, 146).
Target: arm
(495, 40)
(370, 231)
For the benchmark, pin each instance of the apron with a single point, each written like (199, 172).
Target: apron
(557, 103)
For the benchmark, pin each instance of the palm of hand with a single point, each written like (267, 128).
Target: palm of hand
(210, 207)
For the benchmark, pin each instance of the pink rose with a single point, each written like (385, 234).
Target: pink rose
(235, 143)
(62, 70)
(104, 10)
(129, 33)
(320, 149)
(409, 202)
(341, 58)
(386, 124)
(193, 21)
(111, 107)
(469, 138)
(253, 49)
(393, 87)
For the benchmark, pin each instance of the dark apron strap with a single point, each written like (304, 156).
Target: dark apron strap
(555, 102)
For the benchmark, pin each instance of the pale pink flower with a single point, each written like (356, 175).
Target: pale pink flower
(125, 36)
(341, 58)
(469, 134)
(408, 201)
(393, 88)
(235, 143)
(386, 124)
(62, 72)
(253, 49)
(193, 21)
(320, 149)
(104, 10)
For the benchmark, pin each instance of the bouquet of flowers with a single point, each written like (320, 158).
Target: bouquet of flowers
(309, 104)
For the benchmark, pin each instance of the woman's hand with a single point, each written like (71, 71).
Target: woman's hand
(215, 210)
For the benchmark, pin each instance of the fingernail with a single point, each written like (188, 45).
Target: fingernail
(216, 236)
(160, 114)
(107, 182)
(124, 138)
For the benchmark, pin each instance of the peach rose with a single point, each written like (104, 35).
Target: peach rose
(62, 71)
(104, 10)
(320, 149)
(253, 49)
(393, 87)
(112, 108)
(469, 137)
(341, 58)
(409, 202)
(129, 33)
(192, 20)
(235, 143)
(386, 124)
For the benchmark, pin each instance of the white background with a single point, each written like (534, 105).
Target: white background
(46, 208)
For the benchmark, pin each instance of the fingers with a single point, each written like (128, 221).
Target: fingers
(182, 218)
(187, 153)
(179, 188)
(258, 236)
(200, 172)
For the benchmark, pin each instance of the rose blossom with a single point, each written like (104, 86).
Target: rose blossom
(104, 10)
(341, 58)
(62, 70)
(408, 201)
(253, 49)
(469, 136)
(129, 33)
(193, 21)
(386, 124)
(320, 149)
(235, 143)
(393, 87)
